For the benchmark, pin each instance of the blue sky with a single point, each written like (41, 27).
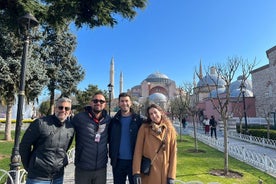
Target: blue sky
(171, 37)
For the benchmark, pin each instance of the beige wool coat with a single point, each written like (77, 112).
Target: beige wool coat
(164, 166)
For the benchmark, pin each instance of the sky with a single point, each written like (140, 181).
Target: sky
(172, 37)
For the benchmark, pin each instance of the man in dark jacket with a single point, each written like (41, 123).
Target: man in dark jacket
(91, 151)
(123, 132)
(45, 143)
(213, 124)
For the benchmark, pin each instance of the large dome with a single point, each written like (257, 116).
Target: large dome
(157, 77)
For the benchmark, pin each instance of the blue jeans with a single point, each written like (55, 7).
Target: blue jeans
(36, 181)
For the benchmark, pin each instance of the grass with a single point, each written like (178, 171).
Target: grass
(190, 166)
(196, 166)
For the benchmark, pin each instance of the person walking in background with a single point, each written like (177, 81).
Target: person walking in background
(157, 141)
(45, 143)
(183, 121)
(123, 132)
(213, 124)
(91, 129)
(206, 123)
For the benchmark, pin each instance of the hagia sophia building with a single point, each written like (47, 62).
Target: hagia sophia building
(160, 89)
(259, 94)
(157, 87)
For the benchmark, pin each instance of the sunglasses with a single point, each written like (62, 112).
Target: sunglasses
(66, 108)
(96, 101)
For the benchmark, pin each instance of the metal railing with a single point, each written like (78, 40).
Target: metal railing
(251, 157)
(20, 176)
(269, 143)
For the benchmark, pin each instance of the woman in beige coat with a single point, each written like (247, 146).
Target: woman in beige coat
(157, 128)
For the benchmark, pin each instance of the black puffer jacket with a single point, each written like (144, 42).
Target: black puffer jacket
(90, 154)
(43, 148)
(115, 134)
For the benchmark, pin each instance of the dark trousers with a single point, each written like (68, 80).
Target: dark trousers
(213, 130)
(90, 177)
(122, 170)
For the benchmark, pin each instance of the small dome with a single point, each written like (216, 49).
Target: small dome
(211, 79)
(237, 92)
(235, 88)
(214, 93)
(158, 97)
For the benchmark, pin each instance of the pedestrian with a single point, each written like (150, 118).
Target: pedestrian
(123, 132)
(91, 127)
(206, 123)
(213, 124)
(45, 143)
(184, 122)
(156, 141)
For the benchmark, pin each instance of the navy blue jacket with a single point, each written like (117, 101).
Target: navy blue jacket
(90, 154)
(115, 134)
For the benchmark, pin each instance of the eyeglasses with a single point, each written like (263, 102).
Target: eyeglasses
(96, 101)
(66, 108)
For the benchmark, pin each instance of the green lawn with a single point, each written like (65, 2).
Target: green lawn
(196, 166)
(190, 166)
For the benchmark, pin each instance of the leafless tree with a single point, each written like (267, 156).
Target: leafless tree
(220, 101)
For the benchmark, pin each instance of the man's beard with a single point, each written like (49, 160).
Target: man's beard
(95, 111)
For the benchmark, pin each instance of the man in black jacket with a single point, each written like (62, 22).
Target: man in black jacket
(45, 143)
(91, 129)
(213, 124)
(123, 132)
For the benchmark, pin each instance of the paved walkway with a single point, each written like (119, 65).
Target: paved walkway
(69, 174)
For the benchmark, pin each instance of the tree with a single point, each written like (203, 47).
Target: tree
(57, 13)
(9, 80)
(44, 107)
(61, 65)
(10, 57)
(84, 97)
(220, 101)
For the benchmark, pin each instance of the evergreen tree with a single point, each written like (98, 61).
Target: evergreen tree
(61, 65)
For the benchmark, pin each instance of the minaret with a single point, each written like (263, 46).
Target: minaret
(200, 70)
(112, 77)
(121, 82)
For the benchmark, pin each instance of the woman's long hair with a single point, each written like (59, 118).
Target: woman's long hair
(164, 118)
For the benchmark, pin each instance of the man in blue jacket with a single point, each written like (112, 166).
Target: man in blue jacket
(91, 129)
(123, 132)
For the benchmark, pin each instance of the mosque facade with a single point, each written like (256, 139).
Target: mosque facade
(157, 88)
(212, 86)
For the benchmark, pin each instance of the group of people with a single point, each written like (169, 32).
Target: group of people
(125, 138)
(210, 123)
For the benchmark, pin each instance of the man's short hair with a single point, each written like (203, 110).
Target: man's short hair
(63, 99)
(124, 95)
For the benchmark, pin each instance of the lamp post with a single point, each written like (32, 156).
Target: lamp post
(26, 23)
(110, 87)
(243, 89)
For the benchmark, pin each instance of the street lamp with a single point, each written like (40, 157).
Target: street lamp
(243, 89)
(26, 22)
(110, 87)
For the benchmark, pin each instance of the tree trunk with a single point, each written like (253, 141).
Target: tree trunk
(8, 122)
(225, 147)
(52, 102)
(196, 145)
